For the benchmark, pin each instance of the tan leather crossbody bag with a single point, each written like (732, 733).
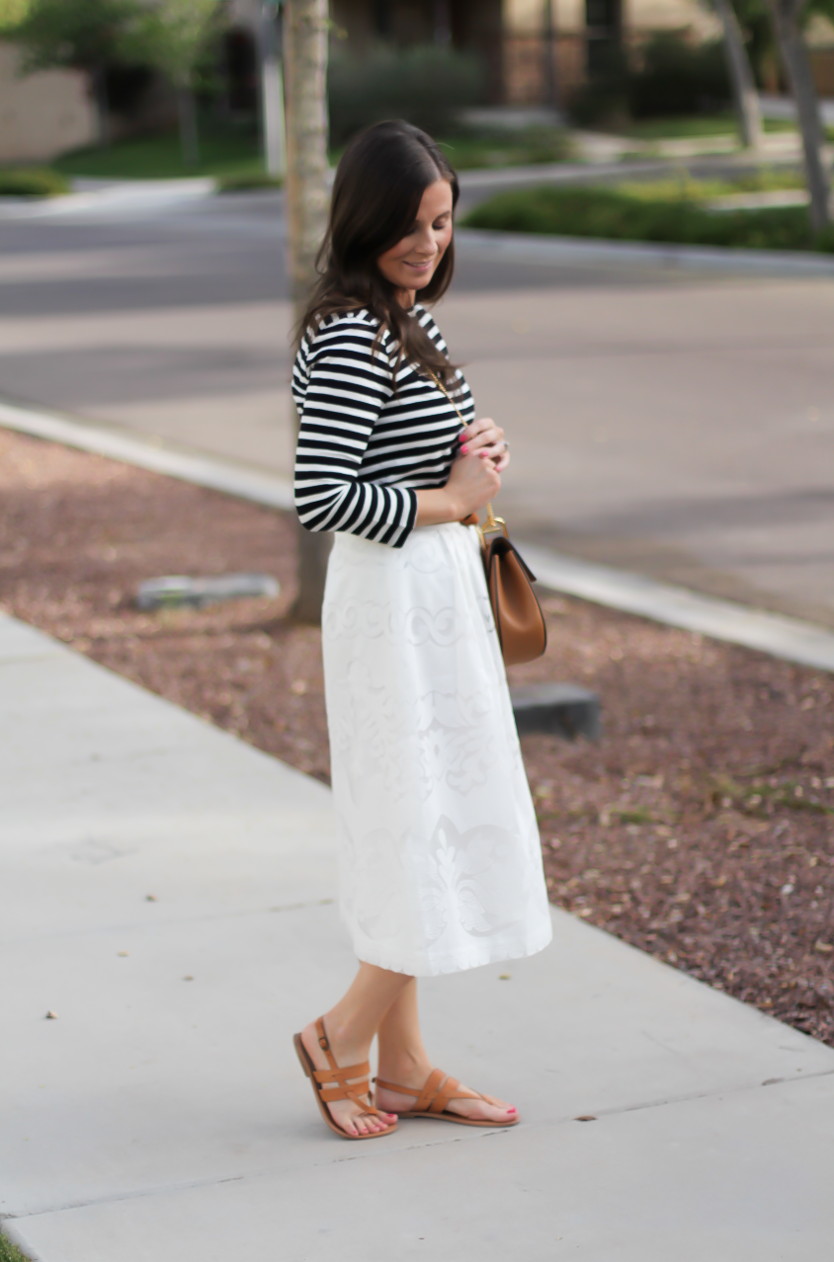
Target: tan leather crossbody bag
(519, 621)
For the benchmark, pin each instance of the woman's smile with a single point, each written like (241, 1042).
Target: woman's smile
(432, 229)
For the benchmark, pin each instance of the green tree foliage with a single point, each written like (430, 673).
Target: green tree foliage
(175, 37)
(12, 13)
(426, 84)
(82, 34)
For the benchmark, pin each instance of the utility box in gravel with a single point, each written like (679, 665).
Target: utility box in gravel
(560, 709)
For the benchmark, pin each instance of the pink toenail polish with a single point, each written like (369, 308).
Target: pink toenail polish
(511, 1110)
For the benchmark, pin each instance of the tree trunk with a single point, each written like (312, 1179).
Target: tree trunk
(187, 113)
(98, 84)
(305, 70)
(551, 83)
(741, 76)
(272, 95)
(798, 69)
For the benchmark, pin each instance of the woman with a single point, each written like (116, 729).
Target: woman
(440, 862)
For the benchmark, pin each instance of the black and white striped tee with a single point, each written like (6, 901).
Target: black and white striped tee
(364, 449)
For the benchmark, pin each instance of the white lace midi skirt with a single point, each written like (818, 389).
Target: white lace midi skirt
(440, 860)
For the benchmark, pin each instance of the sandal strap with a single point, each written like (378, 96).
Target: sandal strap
(428, 1095)
(344, 1089)
(435, 1093)
(324, 1043)
(392, 1086)
(342, 1076)
(359, 1093)
(451, 1090)
(355, 1093)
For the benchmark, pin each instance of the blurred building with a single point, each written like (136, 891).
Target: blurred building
(43, 114)
(535, 50)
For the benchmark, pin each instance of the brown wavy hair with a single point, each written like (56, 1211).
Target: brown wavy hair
(377, 191)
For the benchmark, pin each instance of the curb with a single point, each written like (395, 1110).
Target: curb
(147, 453)
(788, 638)
(112, 197)
(524, 247)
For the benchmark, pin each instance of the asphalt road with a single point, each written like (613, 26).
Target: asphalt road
(678, 426)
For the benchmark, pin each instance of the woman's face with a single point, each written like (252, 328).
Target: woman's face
(411, 263)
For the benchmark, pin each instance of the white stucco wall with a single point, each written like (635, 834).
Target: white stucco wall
(43, 114)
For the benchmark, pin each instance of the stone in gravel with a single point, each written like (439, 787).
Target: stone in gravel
(179, 589)
(559, 709)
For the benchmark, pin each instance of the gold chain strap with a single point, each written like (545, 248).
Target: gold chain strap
(493, 525)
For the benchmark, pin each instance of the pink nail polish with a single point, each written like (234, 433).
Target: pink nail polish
(511, 1110)
(464, 448)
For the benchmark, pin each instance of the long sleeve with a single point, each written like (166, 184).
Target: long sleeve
(342, 388)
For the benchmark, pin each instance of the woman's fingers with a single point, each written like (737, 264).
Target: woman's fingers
(493, 452)
(475, 480)
(481, 434)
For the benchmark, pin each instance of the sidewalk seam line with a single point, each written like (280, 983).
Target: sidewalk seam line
(485, 1133)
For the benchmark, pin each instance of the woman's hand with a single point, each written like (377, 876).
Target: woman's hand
(473, 481)
(486, 439)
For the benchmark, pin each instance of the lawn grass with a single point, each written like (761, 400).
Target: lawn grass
(646, 213)
(682, 187)
(694, 126)
(224, 151)
(234, 153)
(526, 146)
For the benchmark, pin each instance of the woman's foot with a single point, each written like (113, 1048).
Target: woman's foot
(477, 1108)
(350, 1116)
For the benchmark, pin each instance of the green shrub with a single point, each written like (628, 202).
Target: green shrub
(32, 182)
(425, 84)
(491, 147)
(247, 181)
(824, 240)
(9, 1252)
(674, 78)
(678, 77)
(620, 216)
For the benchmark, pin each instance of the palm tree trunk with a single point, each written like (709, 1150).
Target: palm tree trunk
(741, 76)
(798, 69)
(305, 72)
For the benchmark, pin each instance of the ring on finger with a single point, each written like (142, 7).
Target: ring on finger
(506, 445)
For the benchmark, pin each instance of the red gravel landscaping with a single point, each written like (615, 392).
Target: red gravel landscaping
(700, 828)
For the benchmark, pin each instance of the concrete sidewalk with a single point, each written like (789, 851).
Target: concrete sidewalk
(162, 1115)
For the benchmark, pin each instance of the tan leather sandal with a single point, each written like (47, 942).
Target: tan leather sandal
(342, 1091)
(436, 1093)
